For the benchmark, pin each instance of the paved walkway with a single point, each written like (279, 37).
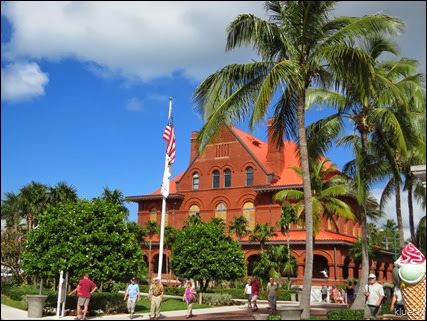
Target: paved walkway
(221, 313)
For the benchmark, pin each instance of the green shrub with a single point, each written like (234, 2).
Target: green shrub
(217, 299)
(110, 303)
(174, 291)
(284, 295)
(274, 317)
(385, 309)
(345, 314)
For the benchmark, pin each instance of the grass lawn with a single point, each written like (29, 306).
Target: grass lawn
(168, 304)
(12, 303)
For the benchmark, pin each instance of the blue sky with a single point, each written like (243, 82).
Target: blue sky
(85, 86)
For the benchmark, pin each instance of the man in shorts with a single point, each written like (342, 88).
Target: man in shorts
(133, 294)
(84, 290)
(256, 288)
(374, 293)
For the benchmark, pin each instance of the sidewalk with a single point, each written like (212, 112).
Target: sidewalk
(9, 313)
(220, 313)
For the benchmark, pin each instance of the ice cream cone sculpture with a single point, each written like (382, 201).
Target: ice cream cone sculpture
(412, 277)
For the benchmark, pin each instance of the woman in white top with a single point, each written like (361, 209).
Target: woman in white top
(397, 300)
(248, 292)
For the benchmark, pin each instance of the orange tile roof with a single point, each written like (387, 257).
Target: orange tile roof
(260, 149)
(172, 185)
(298, 235)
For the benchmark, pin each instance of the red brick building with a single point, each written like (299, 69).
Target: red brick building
(239, 174)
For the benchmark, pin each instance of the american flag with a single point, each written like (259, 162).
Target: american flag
(169, 137)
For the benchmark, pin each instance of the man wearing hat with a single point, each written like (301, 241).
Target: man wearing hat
(156, 297)
(374, 293)
(133, 294)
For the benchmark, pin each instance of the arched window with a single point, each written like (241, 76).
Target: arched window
(194, 210)
(215, 179)
(227, 178)
(221, 211)
(249, 214)
(195, 181)
(153, 214)
(249, 176)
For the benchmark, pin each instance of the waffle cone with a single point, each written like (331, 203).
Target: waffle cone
(415, 300)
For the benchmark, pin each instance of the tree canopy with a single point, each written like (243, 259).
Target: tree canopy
(203, 252)
(85, 236)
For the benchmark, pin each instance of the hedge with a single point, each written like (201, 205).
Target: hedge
(110, 303)
(345, 314)
(284, 295)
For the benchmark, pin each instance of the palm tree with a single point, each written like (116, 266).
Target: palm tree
(152, 228)
(300, 46)
(115, 197)
(62, 192)
(393, 84)
(239, 226)
(288, 216)
(34, 199)
(170, 236)
(11, 210)
(421, 235)
(261, 234)
(327, 186)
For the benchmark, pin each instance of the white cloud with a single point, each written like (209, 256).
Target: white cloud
(22, 81)
(390, 211)
(134, 104)
(142, 39)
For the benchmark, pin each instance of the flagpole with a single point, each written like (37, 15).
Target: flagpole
(162, 225)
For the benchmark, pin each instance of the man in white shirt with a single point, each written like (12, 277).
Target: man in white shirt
(374, 293)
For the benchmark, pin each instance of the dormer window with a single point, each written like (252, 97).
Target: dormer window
(195, 181)
(215, 179)
(227, 178)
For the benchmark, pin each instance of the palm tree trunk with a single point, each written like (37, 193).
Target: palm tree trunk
(308, 272)
(399, 214)
(149, 261)
(411, 211)
(359, 302)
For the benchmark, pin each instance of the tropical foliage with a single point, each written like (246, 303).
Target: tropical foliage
(84, 236)
(202, 251)
(329, 188)
(299, 46)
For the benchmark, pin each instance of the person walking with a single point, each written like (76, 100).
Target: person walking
(272, 294)
(324, 292)
(84, 290)
(189, 297)
(156, 297)
(248, 292)
(132, 294)
(397, 304)
(256, 290)
(374, 293)
(349, 290)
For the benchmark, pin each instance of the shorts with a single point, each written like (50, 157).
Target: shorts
(324, 296)
(249, 296)
(254, 298)
(371, 312)
(83, 301)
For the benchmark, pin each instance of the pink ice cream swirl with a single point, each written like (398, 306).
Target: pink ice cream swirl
(411, 255)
